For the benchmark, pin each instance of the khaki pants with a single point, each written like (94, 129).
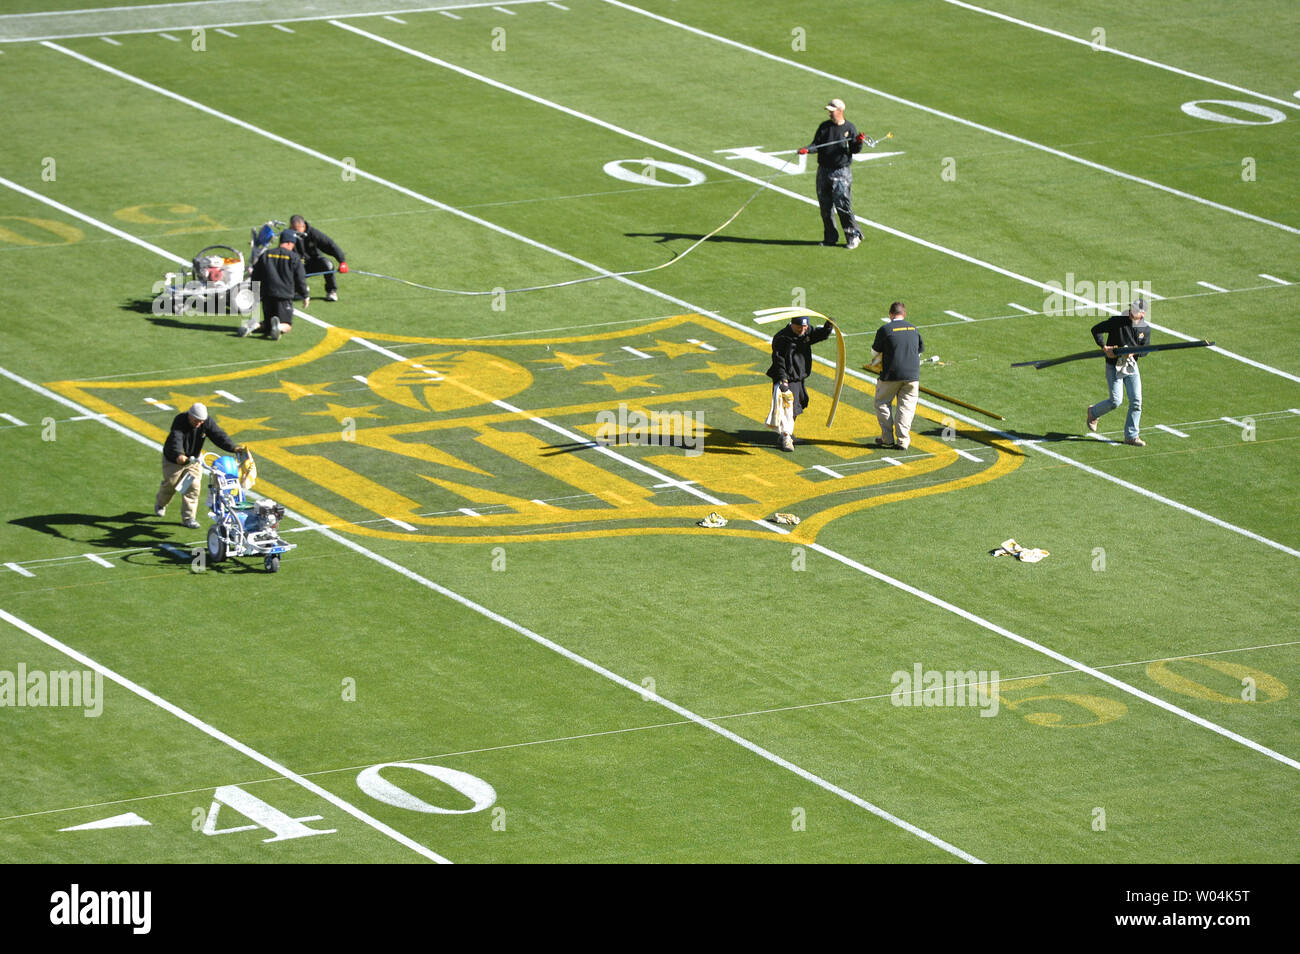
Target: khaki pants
(899, 422)
(173, 474)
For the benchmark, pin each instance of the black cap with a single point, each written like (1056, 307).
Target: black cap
(799, 320)
(288, 235)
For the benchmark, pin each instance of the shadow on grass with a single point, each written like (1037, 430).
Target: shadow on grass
(716, 441)
(145, 306)
(119, 532)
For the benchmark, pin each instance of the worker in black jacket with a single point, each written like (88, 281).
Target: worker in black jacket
(181, 468)
(1122, 331)
(280, 277)
(313, 246)
(791, 365)
(897, 347)
(836, 142)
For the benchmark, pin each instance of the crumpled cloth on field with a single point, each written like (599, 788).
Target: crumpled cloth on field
(714, 519)
(1023, 554)
(786, 518)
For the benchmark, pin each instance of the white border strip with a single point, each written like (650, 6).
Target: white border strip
(225, 739)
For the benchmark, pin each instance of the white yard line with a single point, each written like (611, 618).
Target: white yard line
(645, 693)
(223, 738)
(1170, 430)
(1022, 308)
(1128, 56)
(96, 558)
(827, 471)
(958, 316)
(1273, 278)
(13, 420)
(612, 127)
(1059, 153)
(1216, 288)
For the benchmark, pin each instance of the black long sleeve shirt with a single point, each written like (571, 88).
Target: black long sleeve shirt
(1122, 331)
(838, 144)
(792, 353)
(186, 439)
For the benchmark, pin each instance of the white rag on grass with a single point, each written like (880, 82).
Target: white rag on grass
(712, 521)
(781, 416)
(1023, 554)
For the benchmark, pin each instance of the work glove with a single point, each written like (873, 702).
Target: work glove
(343, 267)
(803, 152)
(862, 137)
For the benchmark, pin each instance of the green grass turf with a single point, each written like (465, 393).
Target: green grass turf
(777, 642)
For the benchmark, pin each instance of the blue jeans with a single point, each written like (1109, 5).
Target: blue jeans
(1132, 383)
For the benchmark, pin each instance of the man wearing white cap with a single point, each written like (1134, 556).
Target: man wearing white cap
(836, 142)
(181, 468)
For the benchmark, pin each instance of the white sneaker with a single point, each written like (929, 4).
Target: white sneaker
(853, 243)
(160, 511)
(332, 296)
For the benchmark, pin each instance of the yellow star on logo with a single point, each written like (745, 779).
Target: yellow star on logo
(621, 383)
(182, 402)
(571, 361)
(672, 349)
(339, 412)
(235, 425)
(725, 371)
(294, 391)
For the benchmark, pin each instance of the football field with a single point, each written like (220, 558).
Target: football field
(502, 634)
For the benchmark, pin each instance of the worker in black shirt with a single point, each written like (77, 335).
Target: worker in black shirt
(1122, 331)
(836, 142)
(280, 276)
(313, 246)
(897, 346)
(182, 471)
(791, 365)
